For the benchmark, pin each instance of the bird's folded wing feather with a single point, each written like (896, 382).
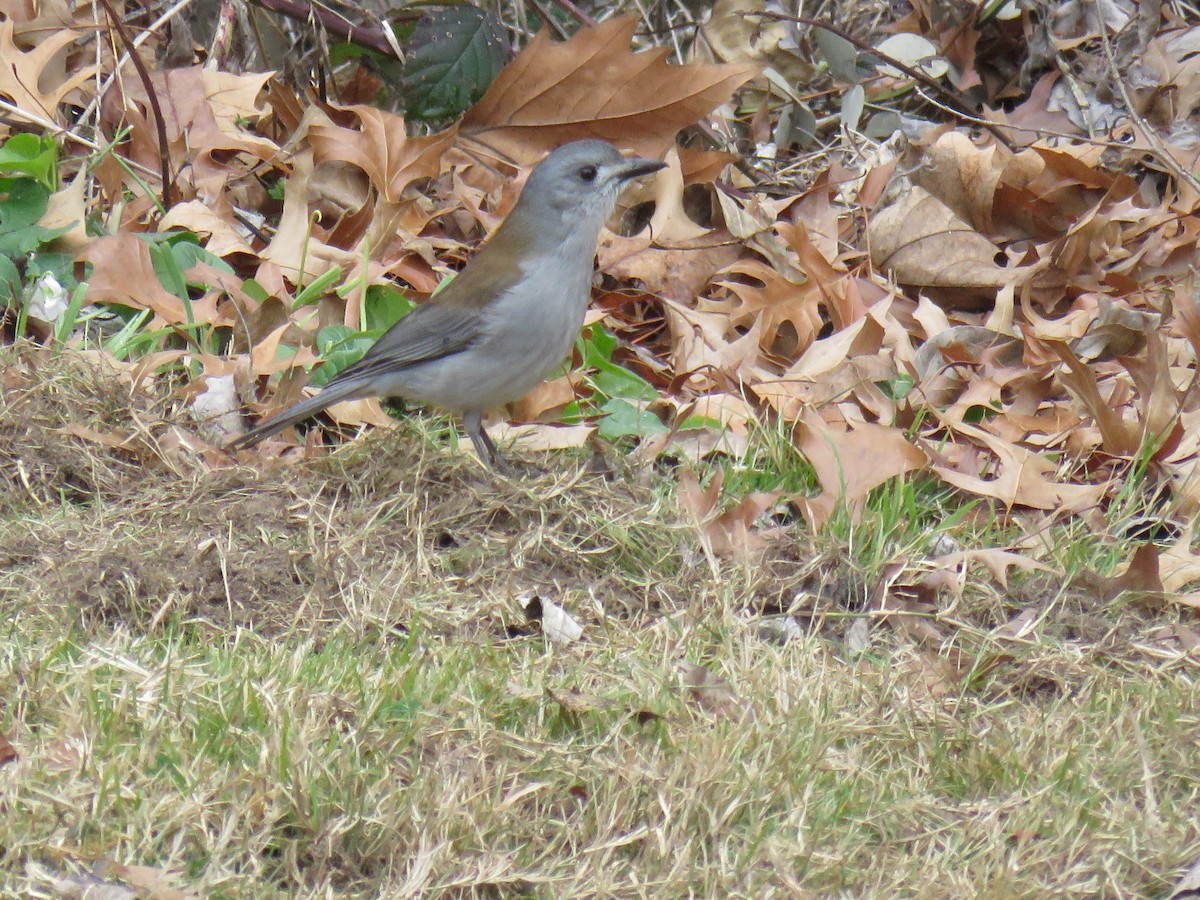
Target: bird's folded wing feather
(431, 331)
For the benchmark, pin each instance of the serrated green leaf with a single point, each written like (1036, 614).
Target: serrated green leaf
(456, 52)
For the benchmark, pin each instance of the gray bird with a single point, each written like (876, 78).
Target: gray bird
(509, 317)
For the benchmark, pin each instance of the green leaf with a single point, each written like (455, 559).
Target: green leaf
(255, 291)
(384, 307)
(10, 281)
(188, 254)
(317, 288)
(167, 269)
(596, 345)
(456, 52)
(31, 155)
(611, 380)
(623, 419)
(25, 204)
(341, 346)
(614, 381)
(897, 388)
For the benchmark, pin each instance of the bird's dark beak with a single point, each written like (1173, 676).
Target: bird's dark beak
(636, 167)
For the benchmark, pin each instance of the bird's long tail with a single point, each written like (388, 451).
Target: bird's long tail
(334, 392)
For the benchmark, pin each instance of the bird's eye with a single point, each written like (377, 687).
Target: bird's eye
(588, 173)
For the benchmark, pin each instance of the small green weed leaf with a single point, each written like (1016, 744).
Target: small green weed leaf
(596, 346)
(10, 280)
(456, 52)
(384, 307)
(623, 419)
(188, 254)
(20, 210)
(614, 381)
(897, 388)
(317, 288)
(28, 154)
(341, 346)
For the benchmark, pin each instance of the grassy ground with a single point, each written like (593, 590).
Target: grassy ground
(320, 680)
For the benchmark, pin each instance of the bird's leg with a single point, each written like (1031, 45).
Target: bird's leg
(473, 423)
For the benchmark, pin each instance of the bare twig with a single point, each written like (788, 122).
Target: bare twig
(168, 199)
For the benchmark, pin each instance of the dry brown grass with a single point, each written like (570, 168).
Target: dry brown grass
(316, 680)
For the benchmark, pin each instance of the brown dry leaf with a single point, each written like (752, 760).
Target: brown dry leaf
(1180, 565)
(674, 257)
(996, 561)
(203, 114)
(928, 676)
(538, 437)
(383, 150)
(702, 354)
(577, 701)
(198, 217)
(920, 241)
(67, 208)
(732, 533)
(156, 883)
(713, 693)
(850, 463)
(1120, 438)
(548, 397)
(22, 81)
(968, 178)
(758, 291)
(297, 252)
(1140, 577)
(593, 86)
(737, 32)
(124, 274)
(1017, 628)
(1025, 477)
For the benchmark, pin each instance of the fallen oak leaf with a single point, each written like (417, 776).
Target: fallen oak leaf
(1141, 577)
(383, 149)
(850, 463)
(732, 533)
(920, 241)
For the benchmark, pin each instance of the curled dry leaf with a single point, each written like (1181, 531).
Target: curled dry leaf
(577, 701)
(737, 32)
(1141, 577)
(920, 241)
(734, 533)
(1025, 477)
(713, 693)
(382, 149)
(557, 624)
